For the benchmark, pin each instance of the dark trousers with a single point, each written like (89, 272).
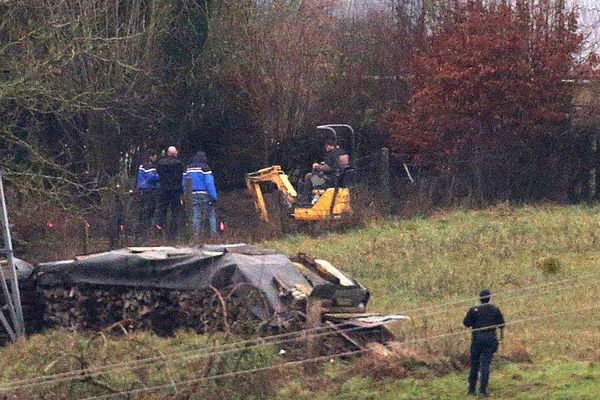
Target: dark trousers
(313, 180)
(169, 199)
(147, 205)
(482, 352)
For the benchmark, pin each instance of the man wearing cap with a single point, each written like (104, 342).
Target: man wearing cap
(483, 319)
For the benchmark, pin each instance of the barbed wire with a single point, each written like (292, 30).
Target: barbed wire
(591, 278)
(200, 353)
(334, 356)
(180, 356)
(265, 340)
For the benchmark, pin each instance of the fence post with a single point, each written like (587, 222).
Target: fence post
(355, 155)
(187, 201)
(85, 234)
(593, 171)
(314, 309)
(385, 180)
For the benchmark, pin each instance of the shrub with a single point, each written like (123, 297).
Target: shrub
(548, 265)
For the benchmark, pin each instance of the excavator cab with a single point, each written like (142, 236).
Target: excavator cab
(331, 203)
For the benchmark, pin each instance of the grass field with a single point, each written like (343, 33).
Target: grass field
(541, 263)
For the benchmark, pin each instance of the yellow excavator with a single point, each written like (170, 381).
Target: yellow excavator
(327, 204)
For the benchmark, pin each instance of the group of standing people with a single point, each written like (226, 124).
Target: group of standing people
(160, 186)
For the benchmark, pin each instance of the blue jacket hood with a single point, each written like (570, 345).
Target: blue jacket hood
(201, 176)
(200, 160)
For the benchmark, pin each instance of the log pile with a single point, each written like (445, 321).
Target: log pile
(32, 306)
(161, 310)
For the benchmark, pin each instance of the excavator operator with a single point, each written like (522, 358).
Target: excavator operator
(324, 173)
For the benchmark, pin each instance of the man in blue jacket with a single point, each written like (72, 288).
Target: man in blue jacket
(147, 192)
(204, 194)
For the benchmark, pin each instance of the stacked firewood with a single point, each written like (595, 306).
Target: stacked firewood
(205, 309)
(161, 310)
(62, 307)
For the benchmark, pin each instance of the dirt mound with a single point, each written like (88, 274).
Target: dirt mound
(514, 350)
(397, 361)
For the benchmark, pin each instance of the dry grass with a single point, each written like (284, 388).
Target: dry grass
(61, 351)
(514, 350)
(400, 361)
(432, 269)
(415, 266)
(548, 265)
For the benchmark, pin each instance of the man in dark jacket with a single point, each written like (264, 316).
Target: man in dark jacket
(323, 173)
(170, 172)
(483, 319)
(147, 192)
(204, 194)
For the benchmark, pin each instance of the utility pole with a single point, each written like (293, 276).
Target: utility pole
(593, 183)
(12, 296)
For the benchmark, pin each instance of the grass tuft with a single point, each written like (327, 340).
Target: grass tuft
(548, 265)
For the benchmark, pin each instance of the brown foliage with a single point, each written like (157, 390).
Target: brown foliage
(277, 55)
(491, 77)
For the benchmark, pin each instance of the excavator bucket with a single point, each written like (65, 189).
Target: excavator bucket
(272, 174)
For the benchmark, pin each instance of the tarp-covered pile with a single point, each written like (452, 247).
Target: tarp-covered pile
(204, 288)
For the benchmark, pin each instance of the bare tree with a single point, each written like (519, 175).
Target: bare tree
(84, 83)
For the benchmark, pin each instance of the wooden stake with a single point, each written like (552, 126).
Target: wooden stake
(314, 309)
(385, 180)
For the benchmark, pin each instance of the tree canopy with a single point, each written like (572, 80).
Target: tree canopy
(87, 86)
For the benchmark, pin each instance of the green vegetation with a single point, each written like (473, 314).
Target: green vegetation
(137, 361)
(452, 254)
(414, 266)
(539, 261)
(552, 380)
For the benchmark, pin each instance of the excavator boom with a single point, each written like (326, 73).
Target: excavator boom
(270, 174)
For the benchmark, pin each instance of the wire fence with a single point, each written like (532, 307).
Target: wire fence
(560, 169)
(545, 291)
(234, 374)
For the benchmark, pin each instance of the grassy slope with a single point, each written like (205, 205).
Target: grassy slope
(407, 265)
(449, 257)
(551, 380)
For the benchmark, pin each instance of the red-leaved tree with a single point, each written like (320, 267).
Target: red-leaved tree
(490, 79)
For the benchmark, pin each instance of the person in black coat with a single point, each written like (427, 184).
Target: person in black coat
(483, 319)
(170, 173)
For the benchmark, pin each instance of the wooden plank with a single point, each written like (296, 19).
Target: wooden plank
(345, 335)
